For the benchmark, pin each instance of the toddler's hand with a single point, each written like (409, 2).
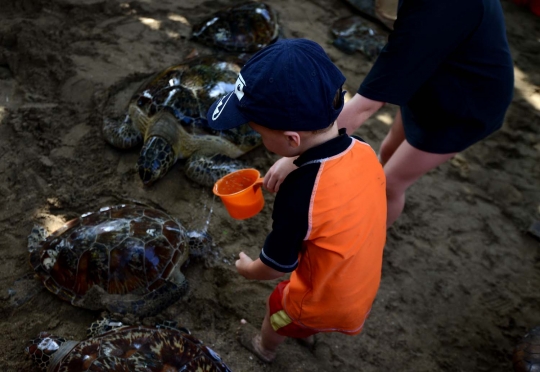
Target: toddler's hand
(243, 263)
(277, 173)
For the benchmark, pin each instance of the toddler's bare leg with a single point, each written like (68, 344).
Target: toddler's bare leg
(264, 343)
(308, 342)
(270, 340)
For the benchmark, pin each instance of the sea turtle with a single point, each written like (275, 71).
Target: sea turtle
(247, 27)
(123, 258)
(526, 356)
(353, 34)
(112, 346)
(168, 113)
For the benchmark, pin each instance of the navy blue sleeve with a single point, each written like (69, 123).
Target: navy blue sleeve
(290, 219)
(425, 33)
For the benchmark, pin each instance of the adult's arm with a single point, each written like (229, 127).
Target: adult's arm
(356, 111)
(425, 33)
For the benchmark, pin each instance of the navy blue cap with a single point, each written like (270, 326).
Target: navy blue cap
(288, 85)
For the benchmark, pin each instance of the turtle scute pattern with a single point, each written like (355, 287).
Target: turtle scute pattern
(124, 258)
(526, 356)
(247, 27)
(127, 348)
(168, 115)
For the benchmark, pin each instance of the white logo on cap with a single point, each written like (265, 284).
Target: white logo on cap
(239, 87)
(238, 90)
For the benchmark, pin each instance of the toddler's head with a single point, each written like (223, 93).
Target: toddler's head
(290, 85)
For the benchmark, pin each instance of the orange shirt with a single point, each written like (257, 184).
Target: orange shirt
(330, 229)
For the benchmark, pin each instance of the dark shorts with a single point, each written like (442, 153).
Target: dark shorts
(441, 135)
(280, 321)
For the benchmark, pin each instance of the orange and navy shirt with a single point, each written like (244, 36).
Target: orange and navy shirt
(329, 230)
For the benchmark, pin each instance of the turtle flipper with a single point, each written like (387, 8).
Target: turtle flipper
(207, 170)
(102, 326)
(122, 135)
(36, 237)
(156, 158)
(171, 324)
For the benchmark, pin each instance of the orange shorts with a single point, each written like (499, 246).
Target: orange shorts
(280, 321)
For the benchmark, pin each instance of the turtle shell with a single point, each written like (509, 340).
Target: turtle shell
(526, 356)
(187, 91)
(247, 27)
(133, 348)
(124, 249)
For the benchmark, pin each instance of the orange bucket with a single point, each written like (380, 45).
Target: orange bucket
(241, 193)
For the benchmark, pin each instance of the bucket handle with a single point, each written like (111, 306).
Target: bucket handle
(258, 183)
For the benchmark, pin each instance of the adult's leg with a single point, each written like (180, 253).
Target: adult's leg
(404, 167)
(394, 138)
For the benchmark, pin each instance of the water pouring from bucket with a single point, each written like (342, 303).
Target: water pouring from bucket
(241, 193)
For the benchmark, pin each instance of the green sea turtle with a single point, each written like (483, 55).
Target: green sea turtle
(352, 34)
(526, 356)
(247, 27)
(123, 258)
(168, 114)
(114, 347)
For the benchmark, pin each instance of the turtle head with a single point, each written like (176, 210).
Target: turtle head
(156, 158)
(200, 243)
(42, 349)
(36, 237)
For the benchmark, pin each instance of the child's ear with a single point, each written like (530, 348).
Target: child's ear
(293, 138)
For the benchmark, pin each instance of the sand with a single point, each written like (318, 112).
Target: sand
(460, 275)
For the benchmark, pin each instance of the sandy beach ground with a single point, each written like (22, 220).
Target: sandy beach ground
(460, 277)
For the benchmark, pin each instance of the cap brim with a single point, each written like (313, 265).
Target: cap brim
(224, 113)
